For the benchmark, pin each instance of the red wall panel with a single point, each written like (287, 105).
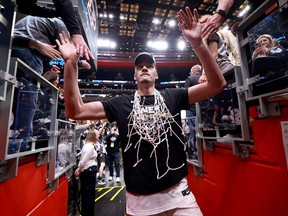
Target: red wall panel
(27, 193)
(253, 186)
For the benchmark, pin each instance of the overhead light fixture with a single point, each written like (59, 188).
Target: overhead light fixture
(156, 21)
(158, 45)
(181, 45)
(172, 23)
(106, 43)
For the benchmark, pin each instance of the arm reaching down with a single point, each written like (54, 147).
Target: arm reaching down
(214, 22)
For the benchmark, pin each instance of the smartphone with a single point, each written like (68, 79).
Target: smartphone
(257, 45)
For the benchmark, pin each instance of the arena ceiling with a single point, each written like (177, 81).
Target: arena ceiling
(130, 25)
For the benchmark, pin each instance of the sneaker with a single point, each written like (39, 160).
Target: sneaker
(118, 180)
(226, 139)
(110, 178)
(101, 182)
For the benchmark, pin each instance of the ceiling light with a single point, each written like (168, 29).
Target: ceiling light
(158, 45)
(106, 43)
(172, 23)
(181, 45)
(156, 21)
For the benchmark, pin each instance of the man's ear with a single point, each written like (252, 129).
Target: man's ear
(134, 76)
(156, 77)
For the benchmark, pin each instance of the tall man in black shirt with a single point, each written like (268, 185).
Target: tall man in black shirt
(149, 123)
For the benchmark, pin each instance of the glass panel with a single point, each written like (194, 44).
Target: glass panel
(32, 109)
(220, 115)
(189, 127)
(65, 147)
(268, 42)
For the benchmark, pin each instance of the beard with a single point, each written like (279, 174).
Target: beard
(145, 80)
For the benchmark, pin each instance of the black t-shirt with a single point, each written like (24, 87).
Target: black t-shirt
(142, 162)
(113, 143)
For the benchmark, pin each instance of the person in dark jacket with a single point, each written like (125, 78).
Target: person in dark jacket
(113, 153)
(63, 9)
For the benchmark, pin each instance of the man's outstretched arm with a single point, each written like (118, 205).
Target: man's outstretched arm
(74, 106)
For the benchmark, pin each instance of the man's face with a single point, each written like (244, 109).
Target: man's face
(145, 72)
(195, 71)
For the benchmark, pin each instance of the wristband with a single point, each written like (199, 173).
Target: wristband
(221, 13)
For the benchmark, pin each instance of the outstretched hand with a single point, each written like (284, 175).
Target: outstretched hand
(212, 25)
(67, 48)
(82, 47)
(190, 26)
(45, 49)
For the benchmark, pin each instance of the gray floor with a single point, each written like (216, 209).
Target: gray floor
(110, 198)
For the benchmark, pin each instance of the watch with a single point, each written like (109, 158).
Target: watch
(221, 12)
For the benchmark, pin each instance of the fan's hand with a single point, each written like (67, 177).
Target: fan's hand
(81, 46)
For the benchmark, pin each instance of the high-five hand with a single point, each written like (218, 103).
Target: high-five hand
(67, 48)
(81, 46)
(190, 26)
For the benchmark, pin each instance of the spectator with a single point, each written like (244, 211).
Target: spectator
(269, 58)
(34, 42)
(80, 128)
(213, 23)
(101, 159)
(87, 169)
(113, 153)
(264, 44)
(63, 9)
(119, 77)
(64, 149)
(54, 79)
(232, 46)
(218, 49)
(193, 79)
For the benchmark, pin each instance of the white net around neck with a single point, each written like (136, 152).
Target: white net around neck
(155, 128)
